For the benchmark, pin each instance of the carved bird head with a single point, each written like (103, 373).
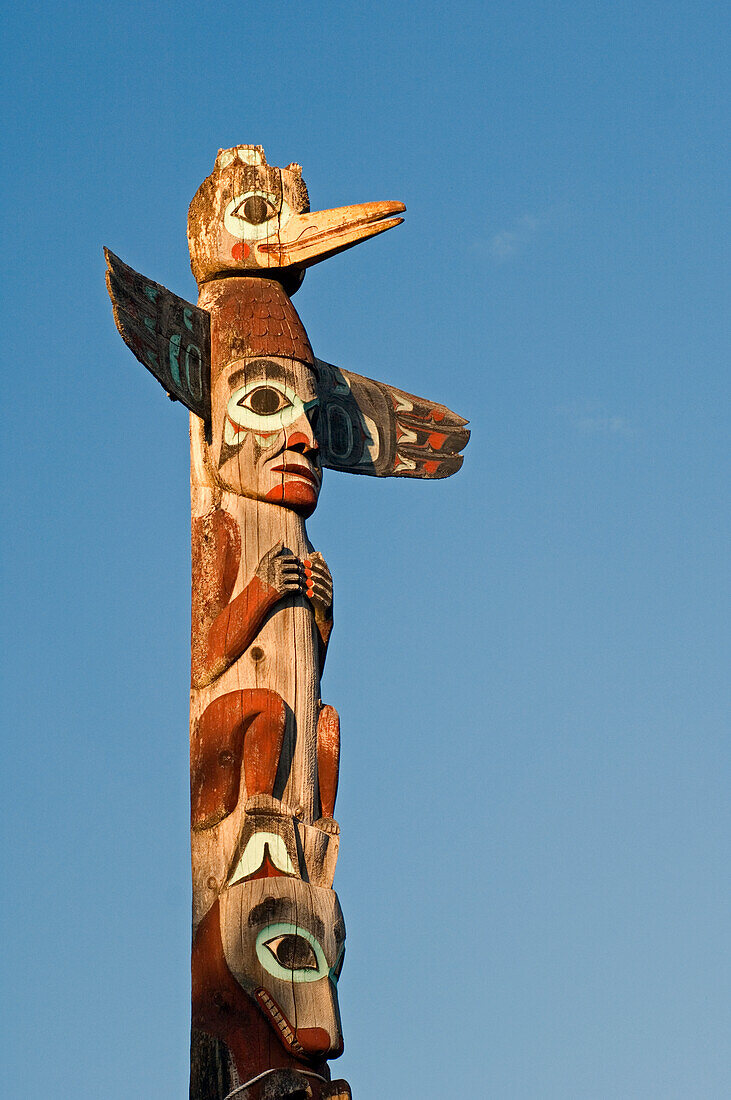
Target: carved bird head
(250, 217)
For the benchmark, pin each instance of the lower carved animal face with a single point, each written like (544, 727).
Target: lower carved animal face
(264, 422)
(284, 943)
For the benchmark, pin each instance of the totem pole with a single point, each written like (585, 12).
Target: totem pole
(266, 418)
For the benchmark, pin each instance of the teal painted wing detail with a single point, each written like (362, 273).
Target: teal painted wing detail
(369, 427)
(169, 336)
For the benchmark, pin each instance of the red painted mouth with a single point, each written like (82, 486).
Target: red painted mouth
(300, 471)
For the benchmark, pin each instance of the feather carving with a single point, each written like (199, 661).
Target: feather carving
(369, 427)
(168, 335)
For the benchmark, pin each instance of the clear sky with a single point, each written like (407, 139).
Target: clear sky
(529, 658)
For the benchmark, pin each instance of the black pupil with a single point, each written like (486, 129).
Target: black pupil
(295, 953)
(256, 209)
(265, 401)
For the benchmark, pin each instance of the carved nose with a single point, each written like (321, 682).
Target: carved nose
(315, 1040)
(302, 444)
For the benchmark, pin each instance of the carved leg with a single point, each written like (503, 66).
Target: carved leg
(241, 726)
(328, 764)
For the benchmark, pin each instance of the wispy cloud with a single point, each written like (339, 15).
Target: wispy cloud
(591, 419)
(605, 425)
(507, 242)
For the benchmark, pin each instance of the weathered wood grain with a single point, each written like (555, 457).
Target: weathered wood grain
(262, 824)
(266, 418)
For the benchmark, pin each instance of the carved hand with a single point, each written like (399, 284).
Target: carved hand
(319, 586)
(282, 570)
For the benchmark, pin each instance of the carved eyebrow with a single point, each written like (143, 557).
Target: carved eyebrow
(266, 369)
(275, 909)
(270, 909)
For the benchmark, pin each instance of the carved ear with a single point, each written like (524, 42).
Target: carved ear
(169, 336)
(368, 427)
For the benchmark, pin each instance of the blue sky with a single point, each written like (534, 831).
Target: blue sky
(529, 659)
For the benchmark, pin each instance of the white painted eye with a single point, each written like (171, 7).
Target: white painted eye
(248, 215)
(261, 406)
(265, 400)
(291, 953)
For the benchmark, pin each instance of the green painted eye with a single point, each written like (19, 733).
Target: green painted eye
(291, 953)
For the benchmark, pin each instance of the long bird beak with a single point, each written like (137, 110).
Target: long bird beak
(305, 239)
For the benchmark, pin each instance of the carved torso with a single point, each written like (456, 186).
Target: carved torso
(283, 653)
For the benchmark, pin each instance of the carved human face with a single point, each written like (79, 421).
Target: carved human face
(264, 419)
(284, 943)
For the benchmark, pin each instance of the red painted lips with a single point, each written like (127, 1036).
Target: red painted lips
(300, 471)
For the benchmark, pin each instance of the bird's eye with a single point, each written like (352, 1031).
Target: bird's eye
(264, 401)
(257, 210)
(254, 209)
(293, 952)
(255, 215)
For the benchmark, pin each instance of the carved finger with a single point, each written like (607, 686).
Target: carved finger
(319, 595)
(319, 563)
(292, 575)
(318, 581)
(291, 585)
(320, 586)
(317, 576)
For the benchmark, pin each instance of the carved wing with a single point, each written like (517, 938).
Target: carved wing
(169, 336)
(368, 427)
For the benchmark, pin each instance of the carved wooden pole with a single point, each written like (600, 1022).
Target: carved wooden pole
(266, 418)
